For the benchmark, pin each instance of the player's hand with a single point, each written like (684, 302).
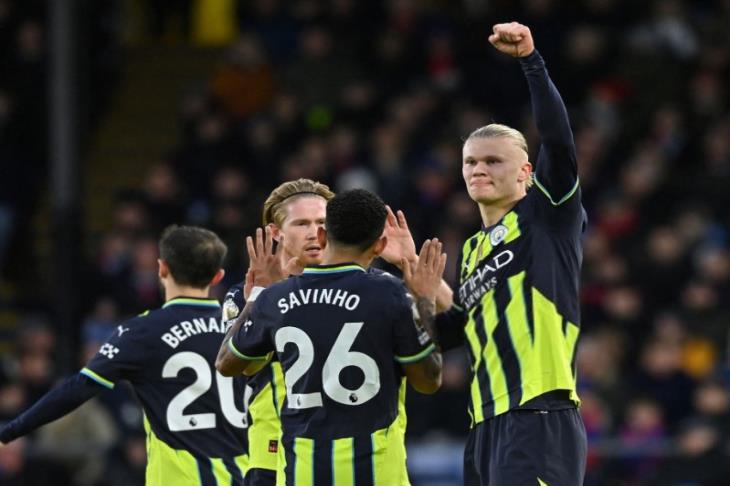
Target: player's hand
(265, 266)
(423, 278)
(513, 38)
(400, 240)
(293, 266)
(248, 283)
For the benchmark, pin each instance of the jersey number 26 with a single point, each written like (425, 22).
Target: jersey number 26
(339, 357)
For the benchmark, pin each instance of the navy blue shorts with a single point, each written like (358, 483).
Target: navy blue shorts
(260, 477)
(527, 448)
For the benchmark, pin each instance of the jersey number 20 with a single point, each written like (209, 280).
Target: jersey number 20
(339, 357)
(178, 421)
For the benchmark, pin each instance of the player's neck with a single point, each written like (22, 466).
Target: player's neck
(173, 291)
(336, 256)
(493, 212)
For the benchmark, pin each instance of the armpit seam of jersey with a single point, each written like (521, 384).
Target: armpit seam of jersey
(550, 198)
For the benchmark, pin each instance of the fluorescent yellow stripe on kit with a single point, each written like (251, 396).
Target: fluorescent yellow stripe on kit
(343, 467)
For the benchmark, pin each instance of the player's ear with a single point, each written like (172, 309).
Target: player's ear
(163, 269)
(275, 231)
(379, 245)
(321, 236)
(525, 172)
(217, 277)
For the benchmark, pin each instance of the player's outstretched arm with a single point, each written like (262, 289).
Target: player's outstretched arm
(265, 268)
(423, 279)
(401, 247)
(70, 395)
(231, 362)
(556, 172)
(227, 363)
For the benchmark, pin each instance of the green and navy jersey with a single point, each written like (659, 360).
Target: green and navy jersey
(194, 417)
(519, 279)
(264, 396)
(341, 335)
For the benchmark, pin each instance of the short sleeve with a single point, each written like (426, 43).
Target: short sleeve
(121, 357)
(253, 342)
(411, 341)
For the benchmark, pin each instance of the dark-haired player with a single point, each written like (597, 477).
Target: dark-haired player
(344, 338)
(194, 416)
(292, 215)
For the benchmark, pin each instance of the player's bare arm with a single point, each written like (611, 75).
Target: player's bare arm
(401, 247)
(513, 39)
(423, 279)
(227, 362)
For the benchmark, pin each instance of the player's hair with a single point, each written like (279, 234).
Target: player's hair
(355, 218)
(276, 204)
(497, 130)
(194, 255)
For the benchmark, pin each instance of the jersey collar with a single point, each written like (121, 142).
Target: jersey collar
(487, 229)
(336, 268)
(192, 301)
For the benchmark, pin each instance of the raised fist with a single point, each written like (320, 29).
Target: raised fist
(513, 38)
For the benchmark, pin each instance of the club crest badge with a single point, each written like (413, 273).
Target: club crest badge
(230, 310)
(498, 234)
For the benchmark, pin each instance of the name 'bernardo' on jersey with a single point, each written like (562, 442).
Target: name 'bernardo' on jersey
(339, 297)
(183, 330)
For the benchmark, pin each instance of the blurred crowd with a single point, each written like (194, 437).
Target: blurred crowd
(379, 95)
(25, 113)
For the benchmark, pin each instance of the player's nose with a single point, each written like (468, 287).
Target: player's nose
(481, 168)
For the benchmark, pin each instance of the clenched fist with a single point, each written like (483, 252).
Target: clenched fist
(513, 38)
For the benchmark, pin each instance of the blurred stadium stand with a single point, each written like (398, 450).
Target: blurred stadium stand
(192, 110)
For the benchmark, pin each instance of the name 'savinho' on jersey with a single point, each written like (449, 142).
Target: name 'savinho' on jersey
(339, 297)
(482, 280)
(183, 330)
